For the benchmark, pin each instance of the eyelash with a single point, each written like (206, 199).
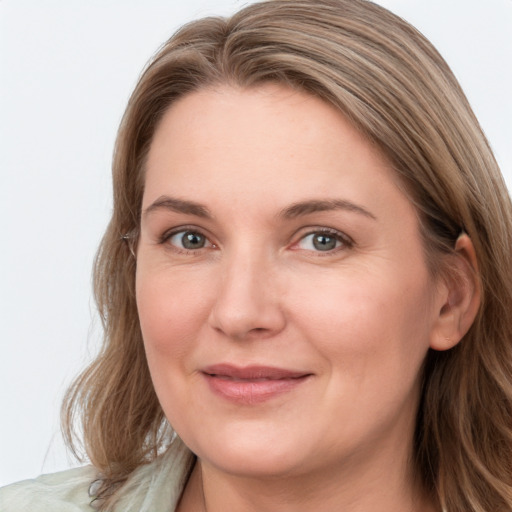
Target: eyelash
(166, 237)
(345, 241)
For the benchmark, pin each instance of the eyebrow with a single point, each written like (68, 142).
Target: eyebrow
(178, 206)
(290, 212)
(320, 205)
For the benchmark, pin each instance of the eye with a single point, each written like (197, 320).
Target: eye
(188, 240)
(323, 241)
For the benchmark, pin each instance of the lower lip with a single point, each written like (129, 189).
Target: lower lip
(252, 391)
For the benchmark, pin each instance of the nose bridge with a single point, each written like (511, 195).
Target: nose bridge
(247, 301)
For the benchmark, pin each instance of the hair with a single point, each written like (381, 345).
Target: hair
(396, 89)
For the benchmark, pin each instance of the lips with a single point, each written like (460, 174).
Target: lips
(251, 384)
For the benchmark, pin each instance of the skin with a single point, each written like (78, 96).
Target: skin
(357, 318)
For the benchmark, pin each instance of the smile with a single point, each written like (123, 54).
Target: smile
(251, 385)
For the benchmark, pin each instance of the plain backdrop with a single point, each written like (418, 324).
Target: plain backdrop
(66, 70)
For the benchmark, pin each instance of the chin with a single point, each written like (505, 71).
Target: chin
(260, 463)
(250, 452)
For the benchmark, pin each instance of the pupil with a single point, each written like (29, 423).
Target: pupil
(193, 240)
(324, 242)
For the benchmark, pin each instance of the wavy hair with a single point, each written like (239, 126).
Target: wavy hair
(391, 84)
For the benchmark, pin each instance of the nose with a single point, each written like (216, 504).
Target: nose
(248, 301)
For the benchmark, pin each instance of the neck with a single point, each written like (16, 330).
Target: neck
(212, 490)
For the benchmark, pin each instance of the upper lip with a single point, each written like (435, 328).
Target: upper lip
(252, 372)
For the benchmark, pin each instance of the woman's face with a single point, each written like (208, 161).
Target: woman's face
(284, 299)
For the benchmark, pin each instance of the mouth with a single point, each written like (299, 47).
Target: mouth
(252, 384)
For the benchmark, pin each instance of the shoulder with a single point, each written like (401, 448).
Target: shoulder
(158, 485)
(66, 491)
(152, 487)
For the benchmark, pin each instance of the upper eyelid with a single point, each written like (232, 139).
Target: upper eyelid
(311, 230)
(179, 229)
(164, 240)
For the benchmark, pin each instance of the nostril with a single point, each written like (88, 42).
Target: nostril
(242, 310)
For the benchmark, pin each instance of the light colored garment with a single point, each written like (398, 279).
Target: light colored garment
(154, 487)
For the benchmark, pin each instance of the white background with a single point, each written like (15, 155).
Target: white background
(66, 70)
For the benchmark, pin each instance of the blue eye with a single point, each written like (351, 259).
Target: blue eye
(321, 241)
(189, 240)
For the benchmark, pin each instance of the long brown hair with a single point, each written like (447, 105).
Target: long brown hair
(390, 82)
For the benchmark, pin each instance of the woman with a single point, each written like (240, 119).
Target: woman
(307, 275)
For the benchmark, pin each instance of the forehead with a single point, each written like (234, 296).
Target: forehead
(263, 138)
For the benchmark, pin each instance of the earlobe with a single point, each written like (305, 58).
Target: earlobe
(460, 297)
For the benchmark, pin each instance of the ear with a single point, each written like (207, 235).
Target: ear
(458, 297)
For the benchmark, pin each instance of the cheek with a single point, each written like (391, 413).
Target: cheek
(372, 337)
(367, 322)
(172, 308)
